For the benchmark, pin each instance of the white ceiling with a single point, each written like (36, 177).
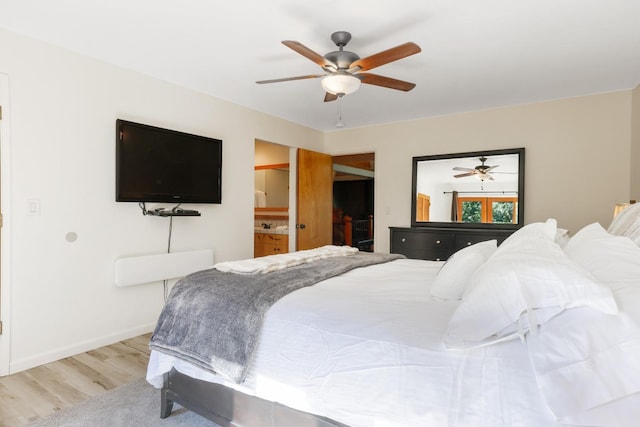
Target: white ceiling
(475, 54)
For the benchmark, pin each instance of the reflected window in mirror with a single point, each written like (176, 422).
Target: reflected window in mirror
(473, 189)
(494, 210)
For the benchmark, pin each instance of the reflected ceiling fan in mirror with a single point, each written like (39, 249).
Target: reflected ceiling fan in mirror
(482, 171)
(345, 70)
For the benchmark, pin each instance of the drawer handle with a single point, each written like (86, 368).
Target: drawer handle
(404, 240)
(437, 242)
(437, 259)
(468, 243)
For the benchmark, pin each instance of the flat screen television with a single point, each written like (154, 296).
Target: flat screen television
(162, 165)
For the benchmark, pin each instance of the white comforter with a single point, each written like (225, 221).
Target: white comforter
(366, 349)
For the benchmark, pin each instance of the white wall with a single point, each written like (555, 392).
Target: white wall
(63, 109)
(5, 242)
(577, 156)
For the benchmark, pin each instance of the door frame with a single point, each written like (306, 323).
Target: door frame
(362, 172)
(5, 232)
(293, 198)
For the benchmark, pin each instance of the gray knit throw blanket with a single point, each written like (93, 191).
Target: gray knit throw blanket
(213, 319)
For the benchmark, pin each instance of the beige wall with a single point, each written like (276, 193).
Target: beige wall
(267, 153)
(577, 156)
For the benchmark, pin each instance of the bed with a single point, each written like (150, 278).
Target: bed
(540, 331)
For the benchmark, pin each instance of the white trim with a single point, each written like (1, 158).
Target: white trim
(5, 241)
(152, 268)
(77, 348)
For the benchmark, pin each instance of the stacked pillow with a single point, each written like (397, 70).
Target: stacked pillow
(608, 257)
(613, 260)
(627, 223)
(524, 283)
(584, 291)
(453, 277)
(595, 378)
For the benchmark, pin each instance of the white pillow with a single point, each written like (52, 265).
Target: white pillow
(562, 237)
(530, 274)
(613, 260)
(454, 275)
(536, 230)
(633, 231)
(625, 221)
(597, 369)
(586, 361)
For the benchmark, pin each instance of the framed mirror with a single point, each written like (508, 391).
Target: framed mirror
(481, 189)
(272, 187)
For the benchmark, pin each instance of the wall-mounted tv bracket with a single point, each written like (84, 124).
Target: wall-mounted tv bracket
(175, 211)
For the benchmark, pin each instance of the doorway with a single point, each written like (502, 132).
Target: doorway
(271, 198)
(353, 200)
(349, 198)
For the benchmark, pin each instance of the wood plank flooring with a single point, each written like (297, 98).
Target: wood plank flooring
(36, 393)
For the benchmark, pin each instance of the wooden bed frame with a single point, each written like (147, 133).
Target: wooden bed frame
(231, 408)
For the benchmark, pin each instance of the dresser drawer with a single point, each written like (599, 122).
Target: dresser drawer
(468, 238)
(439, 244)
(423, 245)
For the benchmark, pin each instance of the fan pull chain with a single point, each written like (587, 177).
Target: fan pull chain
(340, 123)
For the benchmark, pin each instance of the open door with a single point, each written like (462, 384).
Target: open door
(314, 200)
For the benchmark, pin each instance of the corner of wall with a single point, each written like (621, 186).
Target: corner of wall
(634, 185)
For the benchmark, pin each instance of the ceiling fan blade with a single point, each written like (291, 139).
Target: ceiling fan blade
(462, 175)
(309, 54)
(458, 168)
(490, 168)
(328, 97)
(386, 56)
(286, 79)
(375, 79)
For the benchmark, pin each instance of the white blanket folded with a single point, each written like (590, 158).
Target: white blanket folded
(270, 263)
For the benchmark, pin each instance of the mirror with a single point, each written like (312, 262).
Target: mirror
(483, 189)
(272, 186)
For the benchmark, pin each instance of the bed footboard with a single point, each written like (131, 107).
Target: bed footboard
(231, 408)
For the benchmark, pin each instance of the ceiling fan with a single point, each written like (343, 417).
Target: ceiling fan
(344, 70)
(481, 171)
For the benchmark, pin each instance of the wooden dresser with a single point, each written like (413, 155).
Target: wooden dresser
(438, 244)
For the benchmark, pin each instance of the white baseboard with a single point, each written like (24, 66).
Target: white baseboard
(61, 353)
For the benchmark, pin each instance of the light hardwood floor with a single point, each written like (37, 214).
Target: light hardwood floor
(35, 393)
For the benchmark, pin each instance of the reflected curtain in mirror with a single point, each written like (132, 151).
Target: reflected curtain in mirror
(454, 206)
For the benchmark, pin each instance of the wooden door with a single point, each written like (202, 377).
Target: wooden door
(314, 200)
(423, 205)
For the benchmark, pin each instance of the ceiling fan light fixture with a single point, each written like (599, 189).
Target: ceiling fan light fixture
(340, 84)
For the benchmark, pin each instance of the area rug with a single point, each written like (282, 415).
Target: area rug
(136, 404)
